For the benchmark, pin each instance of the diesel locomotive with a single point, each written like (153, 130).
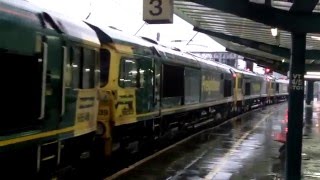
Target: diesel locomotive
(85, 84)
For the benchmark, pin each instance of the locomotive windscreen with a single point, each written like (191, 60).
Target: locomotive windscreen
(21, 91)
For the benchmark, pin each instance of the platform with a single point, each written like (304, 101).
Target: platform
(243, 149)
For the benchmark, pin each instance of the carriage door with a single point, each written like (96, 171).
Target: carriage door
(53, 80)
(70, 84)
(145, 93)
(48, 150)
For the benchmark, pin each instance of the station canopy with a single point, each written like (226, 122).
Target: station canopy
(259, 30)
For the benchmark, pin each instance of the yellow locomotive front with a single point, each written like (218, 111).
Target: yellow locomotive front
(117, 105)
(127, 93)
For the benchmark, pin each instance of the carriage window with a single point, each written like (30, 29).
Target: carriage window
(104, 67)
(128, 73)
(227, 88)
(88, 69)
(173, 81)
(75, 66)
(192, 85)
(247, 89)
(96, 69)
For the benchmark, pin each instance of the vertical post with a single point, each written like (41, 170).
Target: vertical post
(309, 94)
(295, 107)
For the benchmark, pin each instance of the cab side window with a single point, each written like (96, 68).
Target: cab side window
(104, 67)
(128, 73)
(82, 68)
(88, 69)
(75, 66)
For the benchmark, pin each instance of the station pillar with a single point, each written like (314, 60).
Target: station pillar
(309, 95)
(295, 106)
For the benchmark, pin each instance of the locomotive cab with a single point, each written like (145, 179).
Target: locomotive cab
(52, 110)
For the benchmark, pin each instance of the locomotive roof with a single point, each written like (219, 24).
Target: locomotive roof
(21, 11)
(247, 73)
(109, 35)
(223, 67)
(173, 56)
(74, 28)
(28, 14)
(189, 59)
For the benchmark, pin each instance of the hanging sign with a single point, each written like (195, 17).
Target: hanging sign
(158, 11)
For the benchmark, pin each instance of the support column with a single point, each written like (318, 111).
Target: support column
(295, 107)
(309, 95)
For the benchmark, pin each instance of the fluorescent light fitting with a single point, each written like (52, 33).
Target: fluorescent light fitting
(315, 37)
(311, 77)
(313, 73)
(274, 31)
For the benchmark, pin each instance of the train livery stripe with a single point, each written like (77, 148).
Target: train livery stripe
(35, 136)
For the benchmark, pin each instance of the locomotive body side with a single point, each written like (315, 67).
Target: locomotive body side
(55, 123)
(282, 89)
(153, 92)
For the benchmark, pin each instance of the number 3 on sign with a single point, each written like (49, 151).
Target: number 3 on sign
(157, 7)
(158, 11)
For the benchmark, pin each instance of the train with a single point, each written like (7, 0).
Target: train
(80, 86)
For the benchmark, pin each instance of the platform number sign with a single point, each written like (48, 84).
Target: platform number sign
(158, 11)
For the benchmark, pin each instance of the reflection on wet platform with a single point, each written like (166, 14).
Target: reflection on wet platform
(243, 149)
(311, 143)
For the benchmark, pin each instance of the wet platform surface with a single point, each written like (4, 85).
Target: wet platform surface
(243, 149)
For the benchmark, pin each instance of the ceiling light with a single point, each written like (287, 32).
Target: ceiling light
(311, 77)
(313, 73)
(274, 31)
(315, 37)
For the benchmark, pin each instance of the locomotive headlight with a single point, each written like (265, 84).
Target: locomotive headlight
(101, 129)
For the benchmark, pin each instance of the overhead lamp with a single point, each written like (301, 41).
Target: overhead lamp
(315, 37)
(274, 32)
(313, 73)
(283, 60)
(311, 77)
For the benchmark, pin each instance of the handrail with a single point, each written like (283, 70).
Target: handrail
(44, 79)
(63, 87)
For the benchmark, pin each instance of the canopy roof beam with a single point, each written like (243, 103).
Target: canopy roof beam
(272, 49)
(274, 17)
